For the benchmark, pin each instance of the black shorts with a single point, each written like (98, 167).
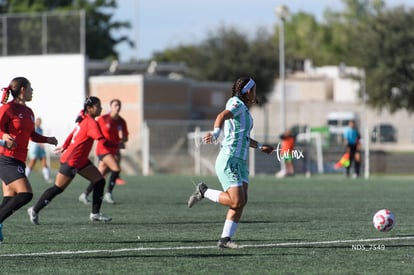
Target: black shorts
(100, 157)
(11, 169)
(70, 171)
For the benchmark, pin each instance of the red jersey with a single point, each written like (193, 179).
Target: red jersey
(80, 141)
(17, 120)
(113, 130)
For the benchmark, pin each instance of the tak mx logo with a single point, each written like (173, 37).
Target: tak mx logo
(289, 154)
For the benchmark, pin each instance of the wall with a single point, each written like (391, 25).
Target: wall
(157, 100)
(128, 89)
(59, 88)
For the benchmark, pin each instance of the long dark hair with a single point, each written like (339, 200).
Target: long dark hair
(239, 88)
(14, 88)
(90, 101)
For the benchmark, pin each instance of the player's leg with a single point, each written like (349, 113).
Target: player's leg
(92, 174)
(45, 169)
(63, 178)
(16, 188)
(8, 194)
(111, 162)
(352, 159)
(119, 180)
(227, 170)
(289, 166)
(30, 165)
(233, 217)
(233, 176)
(357, 164)
(18, 193)
(84, 197)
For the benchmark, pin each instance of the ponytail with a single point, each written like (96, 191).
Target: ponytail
(5, 94)
(14, 88)
(80, 117)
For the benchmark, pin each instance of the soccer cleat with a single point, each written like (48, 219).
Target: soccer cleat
(120, 181)
(227, 243)
(34, 217)
(98, 217)
(1, 232)
(198, 194)
(84, 198)
(108, 198)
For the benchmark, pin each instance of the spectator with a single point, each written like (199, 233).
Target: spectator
(353, 147)
(37, 152)
(288, 145)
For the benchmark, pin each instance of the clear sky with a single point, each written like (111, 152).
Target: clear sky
(159, 24)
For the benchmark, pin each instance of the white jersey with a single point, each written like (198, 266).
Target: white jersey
(236, 140)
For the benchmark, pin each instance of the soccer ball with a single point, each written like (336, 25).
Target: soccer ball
(384, 220)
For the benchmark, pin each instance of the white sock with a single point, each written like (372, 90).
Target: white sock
(46, 173)
(229, 229)
(28, 170)
(212, 194)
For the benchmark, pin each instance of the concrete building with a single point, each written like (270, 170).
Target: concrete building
(313, 95)
(170, 108)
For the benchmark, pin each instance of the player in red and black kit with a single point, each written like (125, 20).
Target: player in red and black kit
(74, 160)
(114, 129)
(17, 127)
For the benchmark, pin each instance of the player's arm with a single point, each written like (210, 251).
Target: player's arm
(107, 143)
(66, 144)
(8, 140)
(95, 132)
(262, 147)
(43, 139)
(124, 131)
(345, 136)
(218, 124)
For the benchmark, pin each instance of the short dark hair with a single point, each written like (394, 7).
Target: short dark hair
(115, 100)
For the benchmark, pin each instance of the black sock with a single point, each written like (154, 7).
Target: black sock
(47, 197)
(98, 190)
(112, 181)
(14, 204)
(89, 189)
(6, 199)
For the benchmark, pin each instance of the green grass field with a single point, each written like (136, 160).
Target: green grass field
(321, 225)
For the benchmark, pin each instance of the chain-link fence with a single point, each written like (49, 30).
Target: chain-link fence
(170, 149)
(42, 33)
(176, 147)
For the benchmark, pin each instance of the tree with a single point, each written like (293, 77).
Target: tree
(305, 38)
(342, 27)
(100, 43)
(227, 54)
(364, 34)
(385, 49)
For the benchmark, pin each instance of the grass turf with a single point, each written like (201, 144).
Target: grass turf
(321, 225)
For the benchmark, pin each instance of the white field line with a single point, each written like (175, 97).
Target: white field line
(287, 244)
